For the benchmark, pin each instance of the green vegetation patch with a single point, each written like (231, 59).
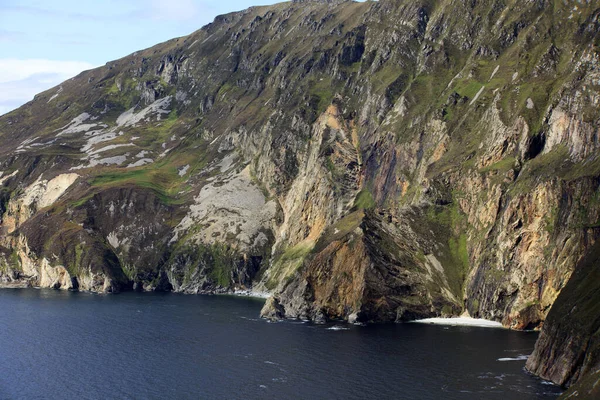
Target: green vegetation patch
(469, 88)
(364, 200)
(321, 92)
(545, 166)
(162, 176)
(504, 165)
(161, 182)
(287, 263)
(448, 222)
(217, 261)
(387, 75)
(339, 230)
(222, 259)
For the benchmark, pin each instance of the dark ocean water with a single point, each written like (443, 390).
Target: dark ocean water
(61, 345)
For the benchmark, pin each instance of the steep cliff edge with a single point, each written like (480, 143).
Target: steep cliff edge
(569, 345)
(371, 162)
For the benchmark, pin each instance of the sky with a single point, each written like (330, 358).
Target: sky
(43, 43)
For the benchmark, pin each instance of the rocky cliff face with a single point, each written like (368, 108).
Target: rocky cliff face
(569, 345)
(378, 161)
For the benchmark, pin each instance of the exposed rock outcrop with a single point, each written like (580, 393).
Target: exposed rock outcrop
(569, 345)
(373, 161)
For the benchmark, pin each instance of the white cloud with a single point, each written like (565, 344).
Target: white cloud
(20, 80)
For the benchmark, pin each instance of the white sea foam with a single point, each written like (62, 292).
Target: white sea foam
(460, 321)
(252, 293)
(522, 357)
(249, 319)
(337, 328)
